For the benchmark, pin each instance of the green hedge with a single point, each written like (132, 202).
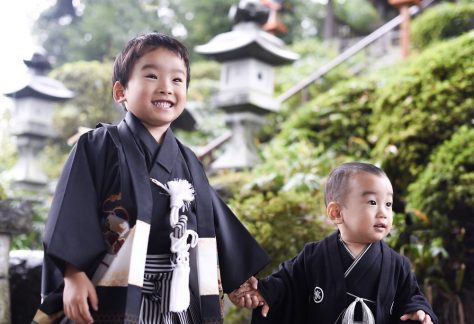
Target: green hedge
(445, 189)
(444, 21)
(423, 106)
(444, 194)
(282, 205)
(338, 119)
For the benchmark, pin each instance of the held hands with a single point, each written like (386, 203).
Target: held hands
(248, 296)
(419, 315)
(78, 289)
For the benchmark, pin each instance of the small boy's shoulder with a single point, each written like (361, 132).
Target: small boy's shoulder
(313, 248)
(400, 262)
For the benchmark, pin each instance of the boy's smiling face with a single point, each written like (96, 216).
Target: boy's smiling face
(156, 90)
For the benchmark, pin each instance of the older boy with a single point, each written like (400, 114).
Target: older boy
(131, 205)
(351, 276)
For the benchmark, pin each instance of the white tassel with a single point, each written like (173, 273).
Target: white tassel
(181, 194)
(179, 290)
(367, 316)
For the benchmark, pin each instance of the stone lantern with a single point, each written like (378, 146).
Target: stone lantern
(32, 120)
(248, 55)
(403, 6)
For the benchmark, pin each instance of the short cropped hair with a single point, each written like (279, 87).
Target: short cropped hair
(338, 180)
(141, 45)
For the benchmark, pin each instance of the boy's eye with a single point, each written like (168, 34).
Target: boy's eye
(178, 80)
(152, 76)
(372, 202)
(389, 204)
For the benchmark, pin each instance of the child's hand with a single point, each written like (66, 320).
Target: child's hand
(77, 290)
(419, 315)
(247, 295)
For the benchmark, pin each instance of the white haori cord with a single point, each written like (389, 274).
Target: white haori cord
(181, 195)
(367, 316)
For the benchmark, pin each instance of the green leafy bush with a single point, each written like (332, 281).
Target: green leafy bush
(360, 15)
(205, 77)
(444, 21)
(337, 120)
(282, 204)
(444, 194)
(91, 82)
(445, 189)
(423, 106)
(282, 222)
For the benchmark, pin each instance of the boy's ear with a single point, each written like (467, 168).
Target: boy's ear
(334, 212)
(118, 92)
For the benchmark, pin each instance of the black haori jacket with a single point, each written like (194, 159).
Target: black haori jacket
(311, 287)
(75, 228)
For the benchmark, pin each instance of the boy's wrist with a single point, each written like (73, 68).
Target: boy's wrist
(71, 271)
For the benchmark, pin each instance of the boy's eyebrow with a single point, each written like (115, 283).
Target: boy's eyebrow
(156, 67)
(368, 193)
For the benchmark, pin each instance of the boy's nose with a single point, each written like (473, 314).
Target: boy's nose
(382, 213)
(164, 87)
(165, 91)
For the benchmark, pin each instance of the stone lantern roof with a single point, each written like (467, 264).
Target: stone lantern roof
(38, 85)
(247, 39)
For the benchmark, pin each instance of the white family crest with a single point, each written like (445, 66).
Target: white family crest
(318, 295)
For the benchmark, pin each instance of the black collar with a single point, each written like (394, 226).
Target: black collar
(164, 154)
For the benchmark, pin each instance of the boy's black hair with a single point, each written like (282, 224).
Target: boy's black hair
(338, 179)
(139, 46)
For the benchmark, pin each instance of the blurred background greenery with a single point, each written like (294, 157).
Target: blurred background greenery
(414, 118)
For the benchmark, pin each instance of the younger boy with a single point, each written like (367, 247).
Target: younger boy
(351, 276)
(135, 229)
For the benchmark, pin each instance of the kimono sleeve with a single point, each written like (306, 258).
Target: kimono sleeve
(410, 298)
(240, 256)
(285, 291)
(73, 232)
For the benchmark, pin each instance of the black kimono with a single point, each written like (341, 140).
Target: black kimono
(320, 282)
(105, 194)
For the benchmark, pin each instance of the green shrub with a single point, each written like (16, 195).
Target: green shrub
(337, 120)
(444, 191)
(444, 21)
(280, 202)
(204, 84)
(91, 82)
(422, 107)
(282, 205)
(444, 194)
(282, 222)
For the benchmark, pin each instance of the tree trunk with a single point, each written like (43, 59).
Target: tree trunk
(329, 21)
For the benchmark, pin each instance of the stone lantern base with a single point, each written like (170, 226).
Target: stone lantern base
(240, 151)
